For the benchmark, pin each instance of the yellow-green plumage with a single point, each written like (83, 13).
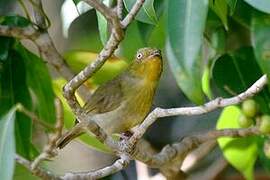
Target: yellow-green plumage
(124, 102)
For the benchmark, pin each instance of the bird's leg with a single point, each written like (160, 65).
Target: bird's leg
(125, 135)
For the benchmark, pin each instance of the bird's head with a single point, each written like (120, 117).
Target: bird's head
(147, 63)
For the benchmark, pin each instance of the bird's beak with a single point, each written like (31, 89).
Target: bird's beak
(156, 53)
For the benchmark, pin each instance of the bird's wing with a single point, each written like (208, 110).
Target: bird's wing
(106, 98)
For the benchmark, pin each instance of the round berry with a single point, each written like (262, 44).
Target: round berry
(244, 121)
(249, 108)
(266, 148)
(265, 124)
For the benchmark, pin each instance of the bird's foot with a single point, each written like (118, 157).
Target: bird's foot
(125, 135)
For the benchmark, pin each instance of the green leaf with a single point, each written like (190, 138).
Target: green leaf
(14, 21)
(260, 26)
(5, 45)
(21, 173)
(146, 14)
(206, 83)
(132, 41)
(102, 24)
(234, 73)
(186, 22)
(88, 139)
(261, 5)
(154, 35)
(232, 5)
(221, 9)
(7, 145)
(13, 90)
(40, 83)
(241, 153)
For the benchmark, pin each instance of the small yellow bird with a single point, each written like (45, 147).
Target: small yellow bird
(122, 103)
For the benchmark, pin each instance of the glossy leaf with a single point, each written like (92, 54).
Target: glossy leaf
(132, 42)
(234, 73)
(7, 145)
(185, 34)
(39, 81)
(154, 35)
(6, 43)
(14, 90)
(102, 24)
(88, 139)
(146, 14)
(241, 153)
(221, 9)
(79, 59)
(206, 83)
(260, 28)
(232, 5)
(14, 21)
(261, 5)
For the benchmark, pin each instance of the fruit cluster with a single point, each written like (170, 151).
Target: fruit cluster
(251, 115)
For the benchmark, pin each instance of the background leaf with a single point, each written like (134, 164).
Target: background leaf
(260, 26)
(232, 5)
(7, 145)
(102, 23)
(146, 14)
(221, 9)
(14, 90)
(79, 59)
(261, 5)
(39, 81)
(234, 73)
(241, 153)
(132, 42)
(185, 34)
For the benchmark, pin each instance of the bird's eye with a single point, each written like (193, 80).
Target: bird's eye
(139, 55)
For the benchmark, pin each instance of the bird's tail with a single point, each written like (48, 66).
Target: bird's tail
(70, 135)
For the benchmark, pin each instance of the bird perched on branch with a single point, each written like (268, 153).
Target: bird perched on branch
(122, 103)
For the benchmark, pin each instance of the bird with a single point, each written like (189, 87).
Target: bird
(123, 102)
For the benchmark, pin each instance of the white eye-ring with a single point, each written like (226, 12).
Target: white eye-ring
(139, 56)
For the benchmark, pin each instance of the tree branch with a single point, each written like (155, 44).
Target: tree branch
(28, 32)
(208, 107)
(49, 150)
(115, 167)
(43, 174)
(179, 150)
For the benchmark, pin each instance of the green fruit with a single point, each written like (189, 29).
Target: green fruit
(244, 121)
(266, 149)
(249, 108)
(265, 124)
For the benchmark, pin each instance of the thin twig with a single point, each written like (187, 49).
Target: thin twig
(40, 16)
(119, 9)
(34, 117)
(132, 13)
(43, 174)
(115, 167)
(50, 150)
